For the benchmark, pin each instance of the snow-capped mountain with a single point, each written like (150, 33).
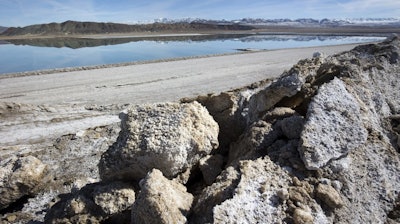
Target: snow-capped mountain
(322, 22)
(304, 22)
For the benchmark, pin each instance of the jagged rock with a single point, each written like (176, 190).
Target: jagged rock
(329, 195)
(368, 80)
(380, 165)
(255, 199)
(114, 198)
(211, 167)
(94, 203)
(278, 112)
(290, 90)
(370, 171)
(161, 200)
(377, 158)
(286, 86)
(72, 162)
(20, 177)
(301, 216)
(284, 153)
(333, 127)
(76, 210)
(170, 137)
(292, 126)
(264, 194)
(226, 110)
(263, 137)
(219, 191)
(258, 136)
(74, 158)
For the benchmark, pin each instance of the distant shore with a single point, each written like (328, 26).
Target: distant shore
(272, 30)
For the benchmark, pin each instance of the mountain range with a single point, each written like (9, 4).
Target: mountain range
(324, 22)
(194, 25)
(288, 22)
(74, 27)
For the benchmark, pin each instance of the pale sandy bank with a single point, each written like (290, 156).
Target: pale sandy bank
(155, 82)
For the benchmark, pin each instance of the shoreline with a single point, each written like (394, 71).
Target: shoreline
(156, 81)
(273, 31)
(122, 64)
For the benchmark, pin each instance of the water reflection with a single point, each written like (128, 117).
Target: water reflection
(39, 54)
(306, 38)
(76, 43)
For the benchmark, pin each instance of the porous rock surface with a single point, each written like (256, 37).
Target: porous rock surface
(171, 137)
(318, 145)
(338, 145)
(333, 127)
(20, 177)
(255, 199)
(161, 200)
(94, 203)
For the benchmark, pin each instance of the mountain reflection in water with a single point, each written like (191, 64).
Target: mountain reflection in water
(38, 54)
(76, 43)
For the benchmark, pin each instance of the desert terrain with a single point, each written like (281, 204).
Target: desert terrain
(298, 133)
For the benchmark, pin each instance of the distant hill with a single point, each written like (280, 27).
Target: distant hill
(2, 29)
(73, 27)
(197, 25)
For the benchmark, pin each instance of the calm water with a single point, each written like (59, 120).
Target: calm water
(30, 55)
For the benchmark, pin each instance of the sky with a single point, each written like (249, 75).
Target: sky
(28, 12)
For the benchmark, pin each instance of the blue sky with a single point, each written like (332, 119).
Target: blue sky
(27, 12)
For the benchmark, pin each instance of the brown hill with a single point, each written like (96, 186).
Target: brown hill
(73, 27)
(2, 29)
